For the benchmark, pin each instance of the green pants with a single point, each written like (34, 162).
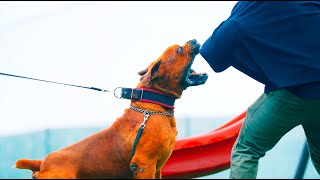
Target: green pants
(268, 119)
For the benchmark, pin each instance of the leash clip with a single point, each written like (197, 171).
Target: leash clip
(146, 114)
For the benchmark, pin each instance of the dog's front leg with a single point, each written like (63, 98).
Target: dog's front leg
(143, 168)
(158, 175)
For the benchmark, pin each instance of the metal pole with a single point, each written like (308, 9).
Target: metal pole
(302, 163)
(188, 127)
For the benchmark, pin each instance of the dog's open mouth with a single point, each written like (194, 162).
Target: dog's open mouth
(195, 79)
(192, 78)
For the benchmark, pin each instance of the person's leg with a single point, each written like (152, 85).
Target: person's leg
(311, 127)
(267, 120)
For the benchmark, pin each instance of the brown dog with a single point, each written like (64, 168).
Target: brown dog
(119, 151)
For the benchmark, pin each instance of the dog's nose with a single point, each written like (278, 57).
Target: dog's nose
(192, 42)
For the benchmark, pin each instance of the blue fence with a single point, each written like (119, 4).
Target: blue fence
(35, 146)
(279, 163)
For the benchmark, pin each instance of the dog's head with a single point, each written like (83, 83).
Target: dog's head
(171, 73)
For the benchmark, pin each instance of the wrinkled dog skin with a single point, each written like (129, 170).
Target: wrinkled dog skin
(107, 153)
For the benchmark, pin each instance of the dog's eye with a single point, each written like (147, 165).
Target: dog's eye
(179, 50)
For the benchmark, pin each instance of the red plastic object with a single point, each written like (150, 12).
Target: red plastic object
(204, 154)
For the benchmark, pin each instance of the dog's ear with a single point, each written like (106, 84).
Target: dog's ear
(155, 70)
(150, 72)
(143, 72)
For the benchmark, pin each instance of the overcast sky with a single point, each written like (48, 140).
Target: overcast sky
(104, 44)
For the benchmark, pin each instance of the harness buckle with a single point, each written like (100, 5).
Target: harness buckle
(131, 97)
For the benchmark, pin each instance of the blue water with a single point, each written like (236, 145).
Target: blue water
(279, 163)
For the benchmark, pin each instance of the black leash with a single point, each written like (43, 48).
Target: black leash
(92, 88)
(138, 94)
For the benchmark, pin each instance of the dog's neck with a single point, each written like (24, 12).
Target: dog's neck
(147, 95)
(168, 93)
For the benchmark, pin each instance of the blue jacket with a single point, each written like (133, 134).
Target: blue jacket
(275, 43)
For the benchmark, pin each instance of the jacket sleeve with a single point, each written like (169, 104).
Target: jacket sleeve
(218, 49)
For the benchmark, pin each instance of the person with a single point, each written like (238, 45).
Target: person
(278, 45)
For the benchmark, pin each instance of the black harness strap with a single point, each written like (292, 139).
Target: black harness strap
(147, 113)
(136, 141)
